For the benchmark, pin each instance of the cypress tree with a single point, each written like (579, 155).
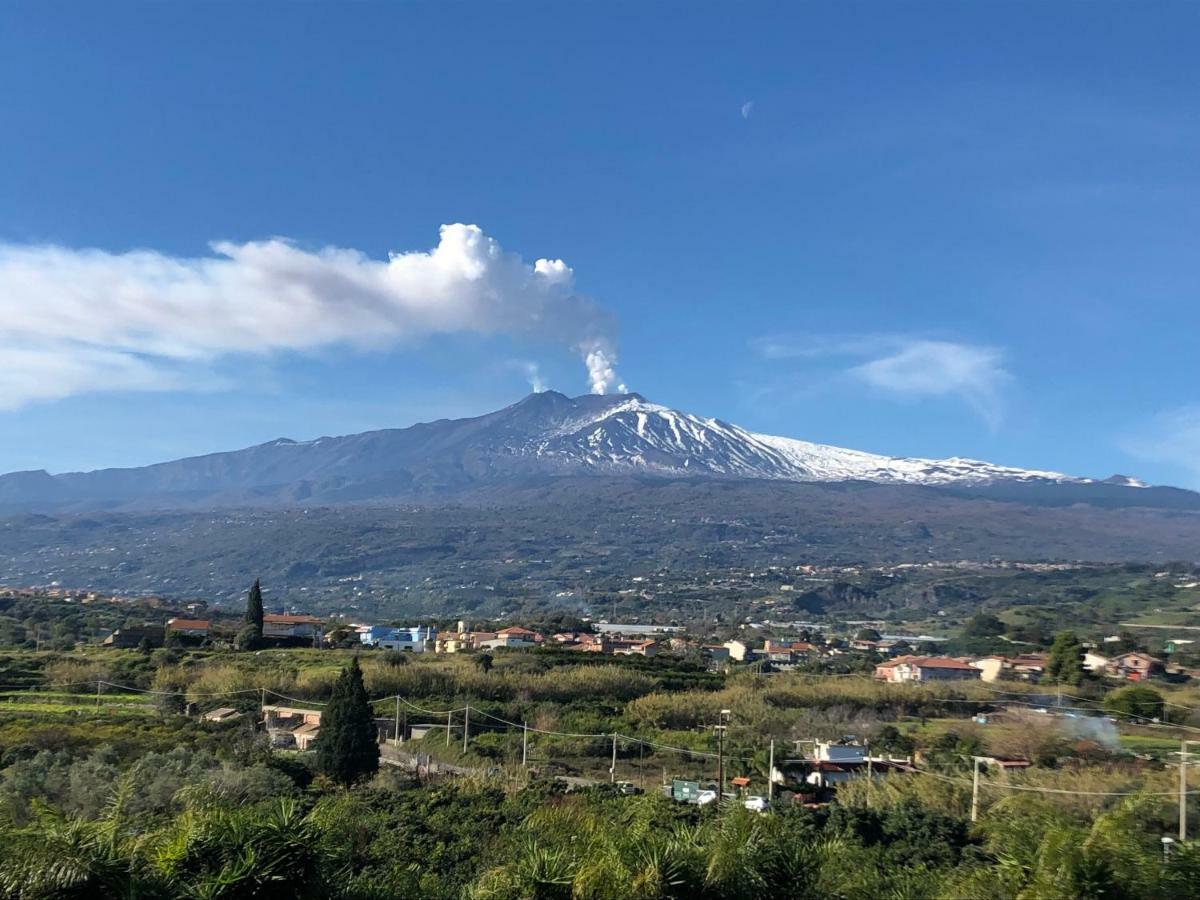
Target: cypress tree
(1065, 664)
(348, 747)
(254, 608)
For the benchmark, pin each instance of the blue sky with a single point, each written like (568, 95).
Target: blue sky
(920, 229)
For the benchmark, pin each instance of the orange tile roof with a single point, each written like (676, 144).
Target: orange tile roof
(939, 662)
(193, 624)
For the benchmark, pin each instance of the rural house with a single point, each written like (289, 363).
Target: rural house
(1134, 666)
(305, 627)
(919, 669)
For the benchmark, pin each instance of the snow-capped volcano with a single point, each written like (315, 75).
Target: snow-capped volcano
(617, 434)
(545, 434)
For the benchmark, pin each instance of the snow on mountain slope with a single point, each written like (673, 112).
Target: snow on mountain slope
(835, 463)
(543, 434)
(631, 433)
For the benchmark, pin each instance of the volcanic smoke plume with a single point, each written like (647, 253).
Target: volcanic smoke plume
(73, 321)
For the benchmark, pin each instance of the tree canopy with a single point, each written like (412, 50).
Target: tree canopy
(1135, 700)
(1065, 664)
(254, 608)
(982, 625)
(347, 747)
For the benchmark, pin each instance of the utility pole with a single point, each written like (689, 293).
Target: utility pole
(97, 693)
(870, 772)
(1183, 761)
(1183, 790)
(975, 791)
(612, 772)
(397, 718)
(525, 745)
(720, 729)
(466, 726)
(771, 773)
(449, 713)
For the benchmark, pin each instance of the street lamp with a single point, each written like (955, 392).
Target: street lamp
(1167, 843)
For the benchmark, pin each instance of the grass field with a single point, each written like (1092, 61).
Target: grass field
(1158, 747)
(62, 709)
(58, 703)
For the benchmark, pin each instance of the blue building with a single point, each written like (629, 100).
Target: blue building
(415, 640)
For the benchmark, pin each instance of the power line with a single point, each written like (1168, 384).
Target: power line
(1165, 702)
(1043, 790)
(138, 690)
(656, 745)
(608, 734)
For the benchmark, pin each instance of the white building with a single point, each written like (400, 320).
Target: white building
(416, 639)
(738, 650)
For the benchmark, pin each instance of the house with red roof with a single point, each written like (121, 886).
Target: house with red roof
(921, 669)
(635, 648)
(193, 628)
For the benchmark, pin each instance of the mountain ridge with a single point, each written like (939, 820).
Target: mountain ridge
(545, 434)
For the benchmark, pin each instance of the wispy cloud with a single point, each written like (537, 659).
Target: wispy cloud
(74, 321)
(747, 109)
(905, 365)
(814, 346)
(1171, 438)
(939, 368)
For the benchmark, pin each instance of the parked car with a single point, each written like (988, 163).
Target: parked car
(628, 788)
(706, 797)
(756, 803)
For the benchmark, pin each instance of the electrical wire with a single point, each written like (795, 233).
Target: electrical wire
(621, 737)
(1043, 790)
(659, 746)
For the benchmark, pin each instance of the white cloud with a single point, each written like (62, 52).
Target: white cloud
(907, 366)
(747, 109)
(53, 371)
(1171, 438)
(73, 321)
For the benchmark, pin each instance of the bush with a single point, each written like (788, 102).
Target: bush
(247, 638)
(1135, 701)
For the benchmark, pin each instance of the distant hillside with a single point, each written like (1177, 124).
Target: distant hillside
(535, 537)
